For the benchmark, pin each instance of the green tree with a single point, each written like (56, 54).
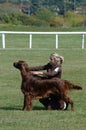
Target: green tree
(44, 14)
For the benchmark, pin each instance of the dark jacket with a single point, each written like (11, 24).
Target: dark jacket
(52, 71)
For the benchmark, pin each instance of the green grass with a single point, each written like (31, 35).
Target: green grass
(10, 27)
(11, 98)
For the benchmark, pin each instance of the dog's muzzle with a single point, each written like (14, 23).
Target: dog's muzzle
(15, 64)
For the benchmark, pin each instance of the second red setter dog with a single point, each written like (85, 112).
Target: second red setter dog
(34, 88)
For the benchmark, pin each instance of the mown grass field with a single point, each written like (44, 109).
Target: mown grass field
(11, 98)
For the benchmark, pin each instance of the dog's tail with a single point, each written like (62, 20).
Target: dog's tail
(70, 85)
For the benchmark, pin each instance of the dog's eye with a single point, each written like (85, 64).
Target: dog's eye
(19, 64)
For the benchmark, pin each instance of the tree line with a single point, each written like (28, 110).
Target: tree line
(57, 6)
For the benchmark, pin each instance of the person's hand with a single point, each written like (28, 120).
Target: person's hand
(37, 73)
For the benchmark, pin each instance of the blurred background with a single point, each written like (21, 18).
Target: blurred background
(52, 13)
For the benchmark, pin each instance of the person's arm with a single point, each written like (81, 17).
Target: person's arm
(36, 68)
(54, 73)
(37, 73)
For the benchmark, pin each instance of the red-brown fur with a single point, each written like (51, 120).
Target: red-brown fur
(35, 88)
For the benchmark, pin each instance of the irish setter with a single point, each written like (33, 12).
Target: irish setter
(36, 88)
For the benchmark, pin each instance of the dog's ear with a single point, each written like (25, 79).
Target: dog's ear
(26, 67)
(23, 70)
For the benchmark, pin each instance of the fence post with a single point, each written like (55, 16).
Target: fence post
(82, 41)
(30, 41)
(56, 41)
(3, 40)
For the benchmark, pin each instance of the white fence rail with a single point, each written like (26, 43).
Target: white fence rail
(31, 33)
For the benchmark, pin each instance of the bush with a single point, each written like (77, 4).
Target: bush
(12, 18)
(32, 20)
(9, 13)
(57, 21)
(5, 18)
(75, 20)
(44, 14)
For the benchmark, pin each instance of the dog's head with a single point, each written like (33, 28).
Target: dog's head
(21, 65)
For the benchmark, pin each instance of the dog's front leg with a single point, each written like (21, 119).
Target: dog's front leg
(27, 102)
(24, 103)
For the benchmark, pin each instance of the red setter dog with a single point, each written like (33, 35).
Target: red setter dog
(36, 88)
